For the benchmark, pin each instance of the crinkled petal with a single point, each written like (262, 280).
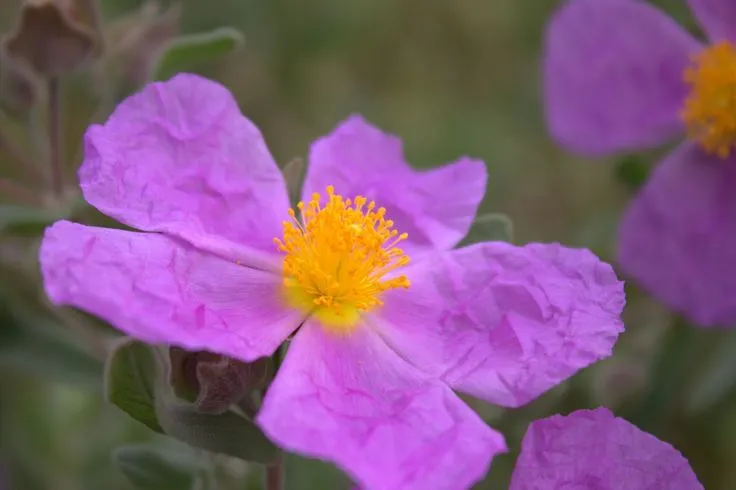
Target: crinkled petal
(161, 290)
(179, 157)
(593, 449)
(678, 237)
(613, 75)
(718, 18)
(435, 207)
(505, 323)
(351, 400)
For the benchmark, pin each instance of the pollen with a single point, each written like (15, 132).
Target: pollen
(709, 111)
(340, 257)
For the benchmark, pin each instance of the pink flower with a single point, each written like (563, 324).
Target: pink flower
(594, 450)
(380, 342)
(620, 75)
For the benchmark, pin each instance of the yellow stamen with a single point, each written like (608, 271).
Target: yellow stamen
(709, 112)
(338, 257)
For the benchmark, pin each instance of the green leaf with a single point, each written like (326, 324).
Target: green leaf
(632, 171)
(25, 220)
(715, 380)
(227, 433)
(22, 220)
(306, 474)
(131, 375)
(493, 227)
(185, 52)
(137, 385)
(151, 468)
(37, 344)
(671, 366)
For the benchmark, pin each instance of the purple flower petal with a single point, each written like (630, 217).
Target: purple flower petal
(351, 400)
(718, 18)
(613, 75)
(505, 323)
(678, 237)
(179, 157)
(159, 290)
(592, 449)
(436, 207)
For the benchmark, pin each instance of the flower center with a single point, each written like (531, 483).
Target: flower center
(339, 258)
(710, 108)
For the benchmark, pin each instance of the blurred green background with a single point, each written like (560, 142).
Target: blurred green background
(451, 78)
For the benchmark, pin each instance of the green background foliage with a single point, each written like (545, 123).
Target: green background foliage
(451, 78)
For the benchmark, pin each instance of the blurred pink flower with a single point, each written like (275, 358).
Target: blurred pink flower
(380, 343)
(620, 75)
(593, 449)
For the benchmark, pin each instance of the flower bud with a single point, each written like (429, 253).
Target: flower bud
(213, 382)
(227, 381)
(56, 37)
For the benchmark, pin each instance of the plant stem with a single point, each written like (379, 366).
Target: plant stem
(669, 370)
(275, 476)
(54, 135)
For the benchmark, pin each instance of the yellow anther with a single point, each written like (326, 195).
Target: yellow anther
(338, 256)
(709, 112)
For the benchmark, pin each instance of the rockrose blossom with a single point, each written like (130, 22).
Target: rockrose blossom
(620, 75)
(386, 319)
(593, 449)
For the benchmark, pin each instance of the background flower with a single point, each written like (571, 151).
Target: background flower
(595, 449)
(614, 80)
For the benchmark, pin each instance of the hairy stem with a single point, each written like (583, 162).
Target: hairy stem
(54, 135)
(275, 476)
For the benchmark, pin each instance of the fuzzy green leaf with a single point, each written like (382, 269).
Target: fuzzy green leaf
(130, 380)
(152, 468)
(226, 433)
(494, 227)
(186, 52)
